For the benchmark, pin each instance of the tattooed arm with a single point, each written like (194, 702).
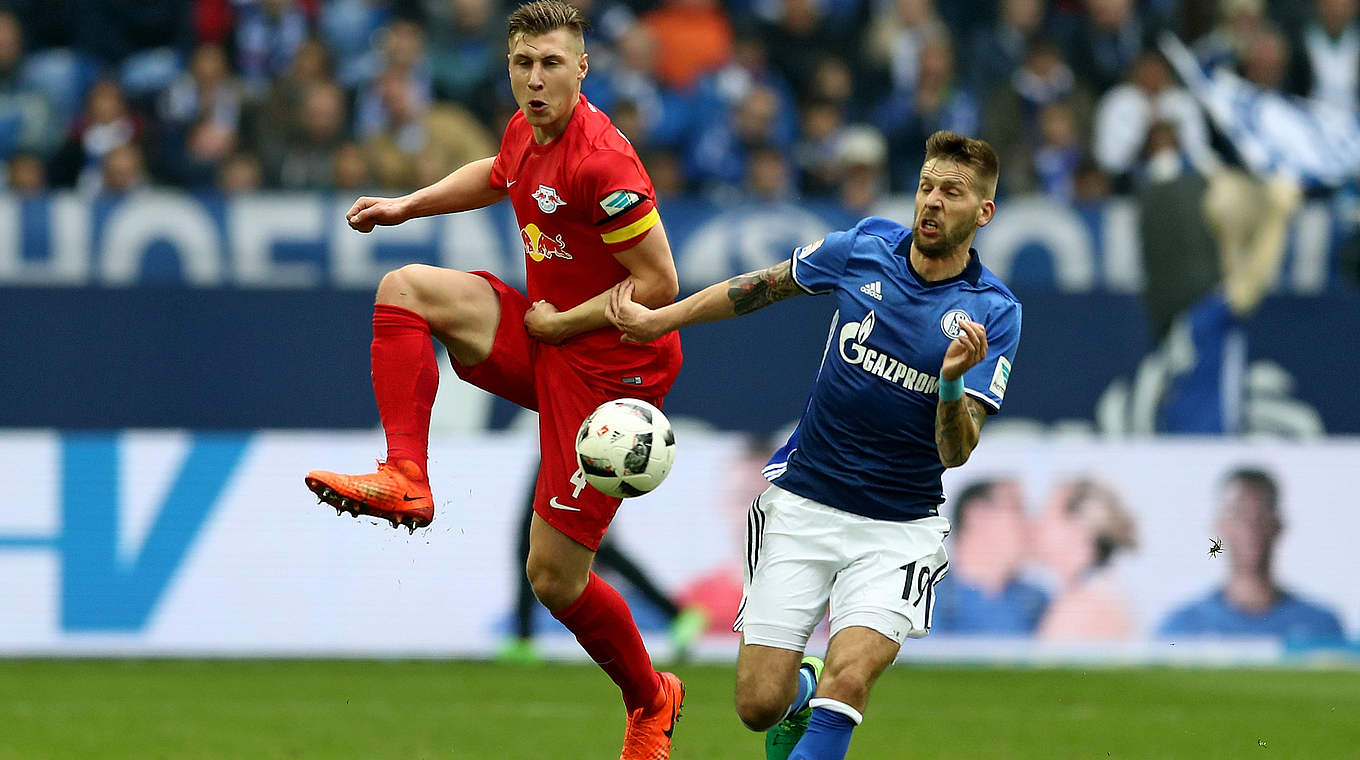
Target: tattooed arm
(958, 423)
(740, 295)
(957, 427)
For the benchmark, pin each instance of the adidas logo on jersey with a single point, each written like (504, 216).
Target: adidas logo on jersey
(873, 289)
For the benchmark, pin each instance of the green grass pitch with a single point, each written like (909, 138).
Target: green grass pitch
(480, 711)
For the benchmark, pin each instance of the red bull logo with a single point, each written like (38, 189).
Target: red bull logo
(539, 245)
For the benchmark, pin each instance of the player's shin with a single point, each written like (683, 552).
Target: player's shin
(602, 623)
(405, 379)
(828, 733)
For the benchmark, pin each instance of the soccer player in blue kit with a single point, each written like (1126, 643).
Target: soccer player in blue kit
(919, 354)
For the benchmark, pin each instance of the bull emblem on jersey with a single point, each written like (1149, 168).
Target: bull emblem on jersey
(539, 245)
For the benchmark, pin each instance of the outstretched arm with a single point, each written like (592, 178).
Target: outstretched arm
(466, 188)
(740, 295)
(958, 416)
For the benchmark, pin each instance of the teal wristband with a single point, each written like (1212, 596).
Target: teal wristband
(951, 390)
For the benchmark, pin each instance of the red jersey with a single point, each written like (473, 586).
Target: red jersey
(579, 200)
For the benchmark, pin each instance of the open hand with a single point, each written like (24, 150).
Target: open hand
(638, 323)
(965, 351)
(366, 213)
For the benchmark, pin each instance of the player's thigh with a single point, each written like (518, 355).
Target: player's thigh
(566, 396)
(888, 581)
(508, 370)
(855, 658)
(791, 562)
(463, 308)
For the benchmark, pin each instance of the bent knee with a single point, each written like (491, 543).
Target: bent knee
(848, 687)
(759, 712)
(402, 286)
(555, 586)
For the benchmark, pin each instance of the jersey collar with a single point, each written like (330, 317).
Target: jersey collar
(972, 271)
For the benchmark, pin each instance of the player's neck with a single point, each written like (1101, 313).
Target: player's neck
(549, 132)
(936, 268)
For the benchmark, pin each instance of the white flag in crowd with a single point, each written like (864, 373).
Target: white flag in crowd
(1316, 143)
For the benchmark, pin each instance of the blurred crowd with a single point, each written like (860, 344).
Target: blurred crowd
(762, 99)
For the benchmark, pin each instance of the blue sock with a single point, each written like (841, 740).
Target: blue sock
(807, 686)
(827, 737)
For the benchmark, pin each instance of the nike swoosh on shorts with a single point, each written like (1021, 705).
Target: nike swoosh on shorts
(555, 504)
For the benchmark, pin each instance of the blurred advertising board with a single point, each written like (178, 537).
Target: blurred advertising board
(185, 543)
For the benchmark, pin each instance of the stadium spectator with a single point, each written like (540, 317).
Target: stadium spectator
(768, 176)
(692, 37)
(467, 56)
(1237, 23)
(348, 28)
(815, 155)
(269, 33)
(123, 171)
(1126, 115)
(1081, 530)
(719, 90)
(718, 153)
(276, 118)
(1326, 61)
(1251, 602)
(1059, 153)
(1010, 119)
(862, 162)
(908, 117)
(239, 174)
(28, 118)
(106, 123)
(25, 175)
(402, 53)
(896, 38)
(661, 116)
(417, 141)
(1106, 41)
(798, 33)
(350, 169)
(983, 592)
(306, 162)
(199, 116)
(996, 50)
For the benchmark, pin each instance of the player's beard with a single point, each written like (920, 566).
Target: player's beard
(949, 239)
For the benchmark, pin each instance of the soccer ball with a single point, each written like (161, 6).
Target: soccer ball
(625, 447)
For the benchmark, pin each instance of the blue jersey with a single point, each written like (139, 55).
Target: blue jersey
(1293, 619)
(866, 441)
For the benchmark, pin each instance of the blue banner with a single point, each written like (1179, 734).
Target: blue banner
(300, 242)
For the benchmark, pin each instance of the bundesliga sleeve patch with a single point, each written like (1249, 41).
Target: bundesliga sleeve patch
(620, 201)
(1001, 377)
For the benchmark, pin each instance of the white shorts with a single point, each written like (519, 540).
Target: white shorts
(802, 555)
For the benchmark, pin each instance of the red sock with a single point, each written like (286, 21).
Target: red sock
(405, 378)
(604, 626)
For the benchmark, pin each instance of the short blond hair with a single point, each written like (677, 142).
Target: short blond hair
(543, 16)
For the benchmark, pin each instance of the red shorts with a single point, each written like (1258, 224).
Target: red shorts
(541, 377)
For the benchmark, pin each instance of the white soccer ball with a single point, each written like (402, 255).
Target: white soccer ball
(625, 447)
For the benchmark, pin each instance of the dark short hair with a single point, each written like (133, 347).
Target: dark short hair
(544, 16)
(970, 152)
(1259, 480)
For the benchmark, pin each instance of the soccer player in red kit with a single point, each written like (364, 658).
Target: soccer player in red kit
(588, 220)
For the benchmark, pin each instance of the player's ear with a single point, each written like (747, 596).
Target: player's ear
(985, 212)
(585, 66)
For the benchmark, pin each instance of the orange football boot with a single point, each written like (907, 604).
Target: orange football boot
(649, 733)
(398, 493)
